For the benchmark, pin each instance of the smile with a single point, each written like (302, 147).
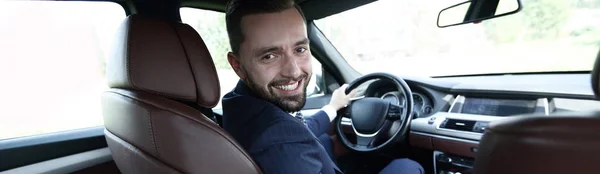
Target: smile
(289, 87)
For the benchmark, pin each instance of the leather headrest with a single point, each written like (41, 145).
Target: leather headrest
(164, 58)
(596, 76)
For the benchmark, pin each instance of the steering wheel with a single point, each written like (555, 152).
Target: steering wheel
(372, 117)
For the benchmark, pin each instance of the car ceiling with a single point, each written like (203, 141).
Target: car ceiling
(313, 9)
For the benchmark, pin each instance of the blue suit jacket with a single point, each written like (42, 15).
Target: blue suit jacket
(278, 142)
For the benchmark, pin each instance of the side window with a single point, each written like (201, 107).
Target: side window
(211, 26)
(316, 86)
(52, 64)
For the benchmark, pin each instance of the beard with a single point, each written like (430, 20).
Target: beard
(286, 103)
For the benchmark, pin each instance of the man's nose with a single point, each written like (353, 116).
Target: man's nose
(291, 69)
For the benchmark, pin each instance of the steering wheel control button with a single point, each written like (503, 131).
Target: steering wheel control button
(394, 112)
(394, 108)
(431, 120)
(394, 116)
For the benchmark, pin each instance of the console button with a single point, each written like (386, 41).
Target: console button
(476, 127)
(431, 120)
(480, 127)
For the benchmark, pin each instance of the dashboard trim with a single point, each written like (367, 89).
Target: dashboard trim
(460, 99)
(465, 85)
(524, 93)
(444, 137)
(453, 103)
(424, 125)
(455, 146)
(457, 131)
(365, 135)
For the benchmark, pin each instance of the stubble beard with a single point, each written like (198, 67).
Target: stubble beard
(286, 103)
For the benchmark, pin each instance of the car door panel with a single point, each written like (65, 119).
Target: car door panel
(61, 152)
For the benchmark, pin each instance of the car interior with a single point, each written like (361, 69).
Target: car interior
(134, 86)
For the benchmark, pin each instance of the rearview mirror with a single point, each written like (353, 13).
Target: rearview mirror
(475, 11)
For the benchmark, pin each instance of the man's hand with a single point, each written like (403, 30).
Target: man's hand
(340, 99)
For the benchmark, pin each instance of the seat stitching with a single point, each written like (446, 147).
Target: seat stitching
(187, 59)
(151, 131)
(129, 79)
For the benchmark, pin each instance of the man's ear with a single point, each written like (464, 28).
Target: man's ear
(235, 64)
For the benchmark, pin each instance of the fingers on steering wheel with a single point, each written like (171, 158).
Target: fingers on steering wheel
(352, 93)
(344, 87)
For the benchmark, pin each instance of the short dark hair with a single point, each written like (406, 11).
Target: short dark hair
(236, 9)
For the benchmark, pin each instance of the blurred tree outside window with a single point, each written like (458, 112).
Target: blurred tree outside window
(52, 64)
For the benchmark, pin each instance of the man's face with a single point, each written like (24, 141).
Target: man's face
(274, 58)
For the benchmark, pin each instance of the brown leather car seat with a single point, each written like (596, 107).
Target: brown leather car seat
(561, 143)
(160, 73)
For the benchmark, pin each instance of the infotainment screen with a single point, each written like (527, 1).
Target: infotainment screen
(498, 107)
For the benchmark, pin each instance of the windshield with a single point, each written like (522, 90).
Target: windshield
(401, 37)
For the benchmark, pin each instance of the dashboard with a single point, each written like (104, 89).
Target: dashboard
(494, 95)
(459, 108)
(501, 107)
(423, 104)
(451, 113)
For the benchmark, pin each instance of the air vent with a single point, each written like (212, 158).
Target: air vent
(455, 124)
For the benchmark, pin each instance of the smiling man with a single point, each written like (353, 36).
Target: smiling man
(271, 55)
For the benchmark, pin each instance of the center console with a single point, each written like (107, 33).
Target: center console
(451, 164)
(454, 135)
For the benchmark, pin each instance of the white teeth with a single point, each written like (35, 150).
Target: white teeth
(287, 87)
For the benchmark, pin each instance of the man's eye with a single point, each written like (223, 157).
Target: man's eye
(268, 56)
(301, 50)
